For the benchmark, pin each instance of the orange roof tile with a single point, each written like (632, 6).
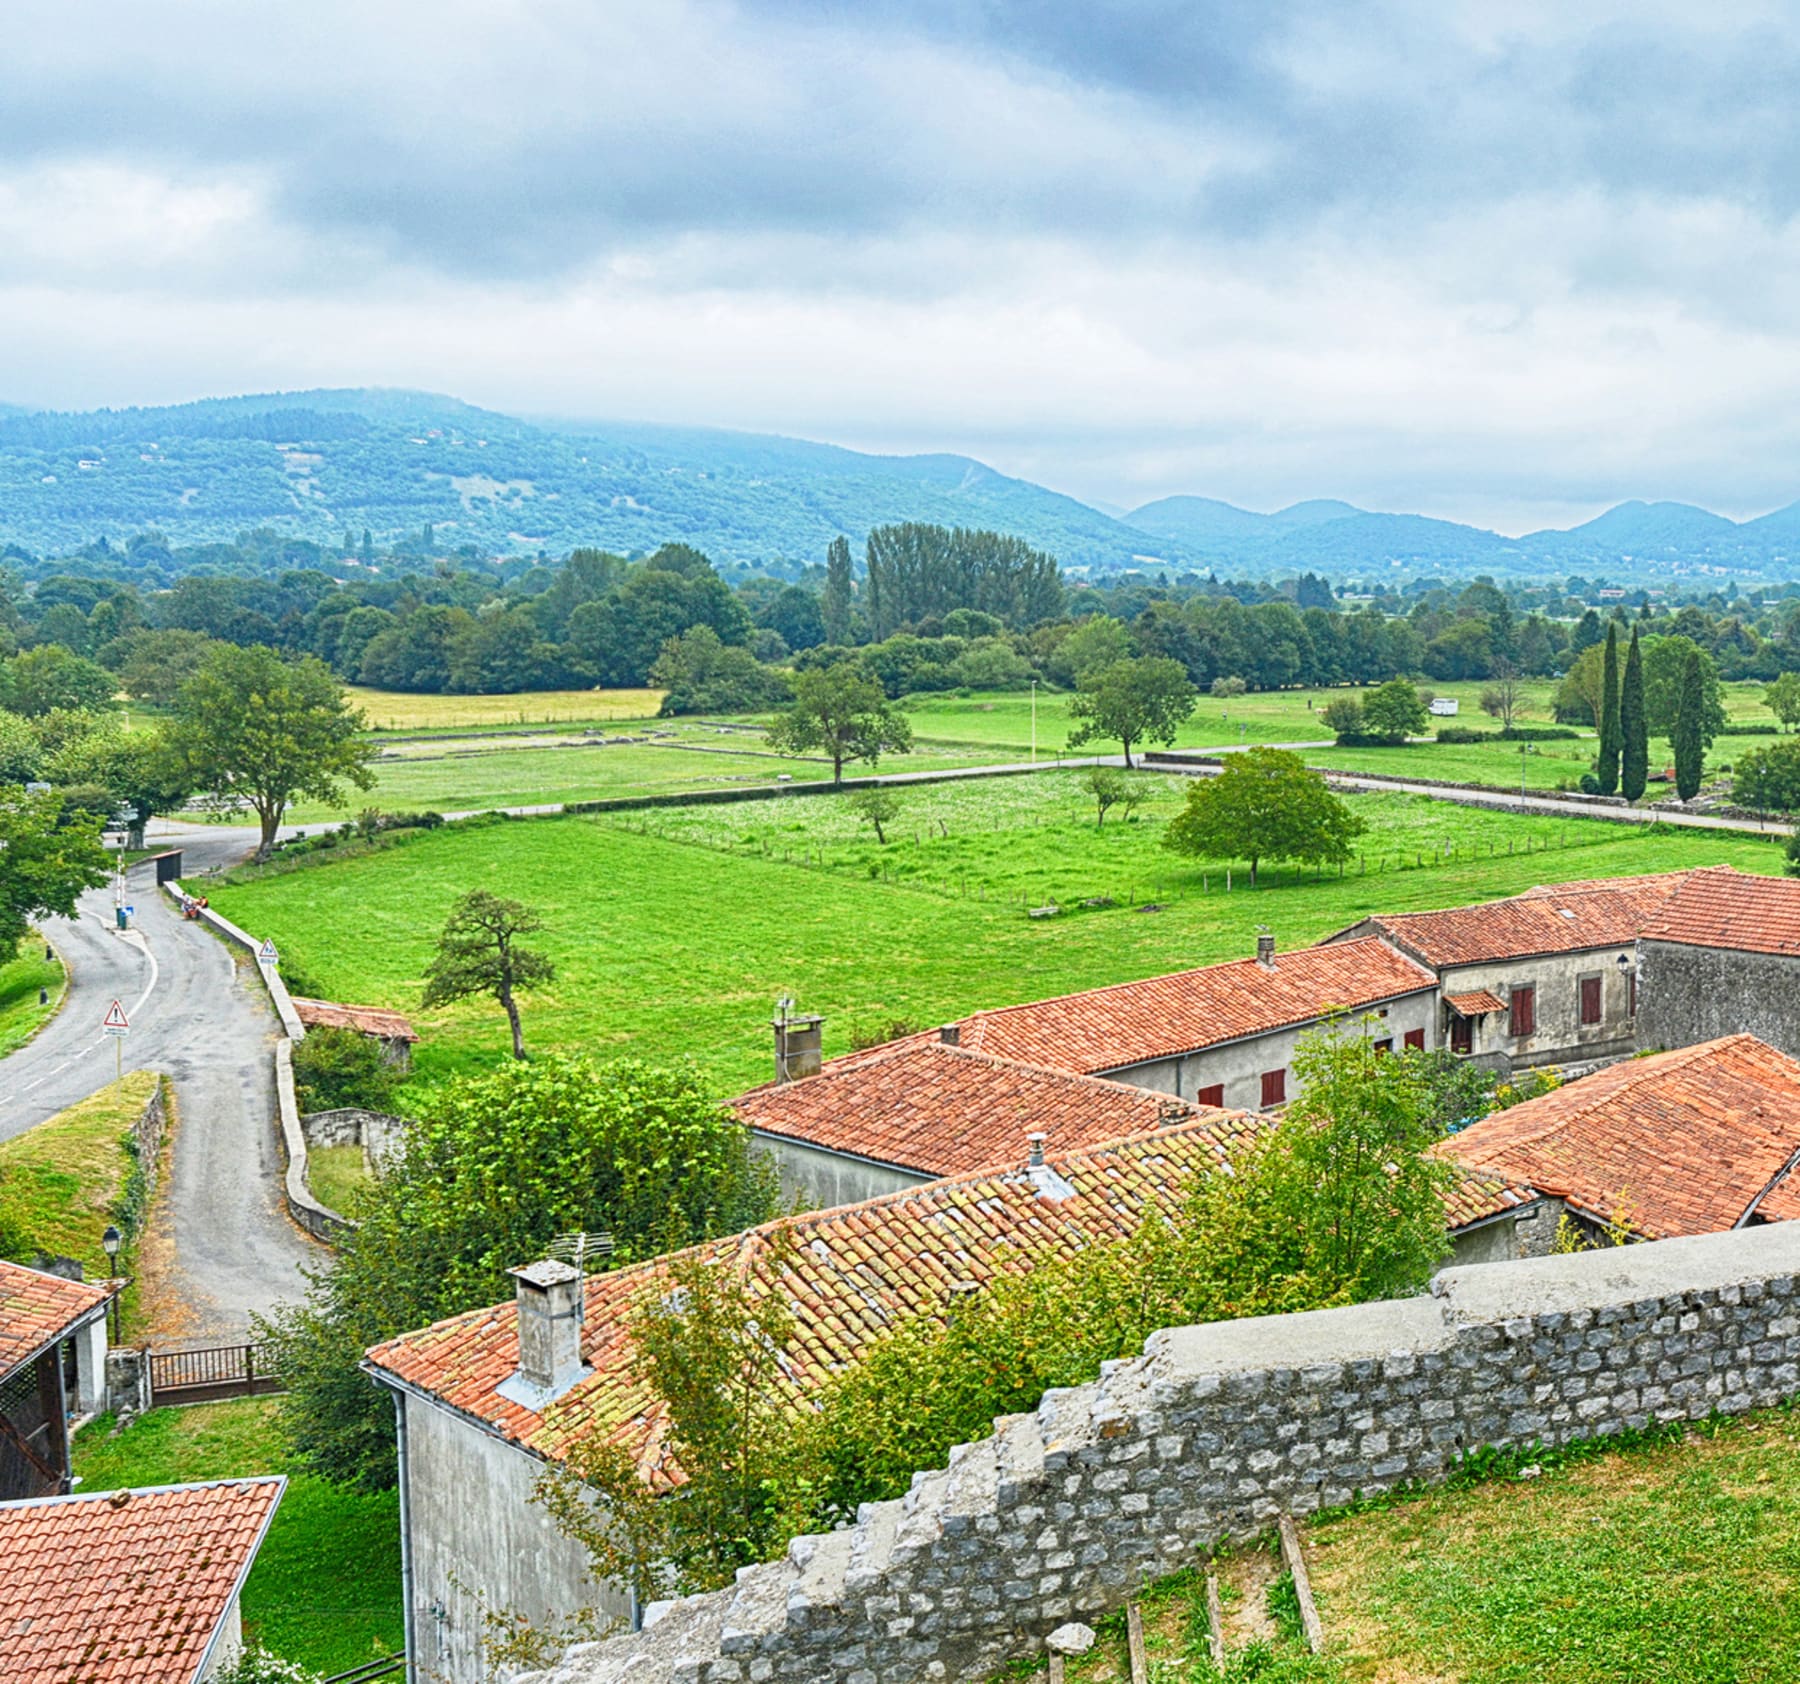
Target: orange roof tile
(1473, 1005)
(1683, 1142)
(365, 1020)
(124, 1587)
(1722, 907)
(945, 1110)
(851, 1274)
(1560, 918)
(1135, 1022)
(36, 1308)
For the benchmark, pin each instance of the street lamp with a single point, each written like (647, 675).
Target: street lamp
(110, 1242)
(1524, 749)
(1034, 722)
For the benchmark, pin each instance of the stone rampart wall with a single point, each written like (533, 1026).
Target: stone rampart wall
(1215, 1431)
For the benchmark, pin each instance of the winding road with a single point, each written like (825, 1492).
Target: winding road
(221, 1245)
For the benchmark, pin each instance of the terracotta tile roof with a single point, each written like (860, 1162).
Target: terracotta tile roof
(365, 1020)
(1721, 907)
(36, 1308)
(1561, 918)
(1134, 1022)
(124, 1587)
(943, 1110)
(1473, 1005)
(1680, 1143)
(851, 1274)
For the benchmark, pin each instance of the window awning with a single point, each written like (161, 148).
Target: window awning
(1474, 1005)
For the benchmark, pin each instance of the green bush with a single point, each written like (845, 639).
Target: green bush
(339, 1067)
(1538, 734)
(1769, 776)
(1465, 734)
(257, 1666)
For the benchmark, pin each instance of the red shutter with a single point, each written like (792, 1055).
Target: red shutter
(1214, 1095)
(1590, 999)
(1274, 1087)
(1415, 1038)
(1462, 1035)
(1524, 1011)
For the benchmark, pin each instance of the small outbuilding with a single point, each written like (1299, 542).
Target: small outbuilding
(52, 1367)
(390, 1028)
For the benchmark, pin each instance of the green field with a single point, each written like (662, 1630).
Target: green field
(22, 978)
(325, 1590)
(676, 949)
(400, 710)
(1662, 1564)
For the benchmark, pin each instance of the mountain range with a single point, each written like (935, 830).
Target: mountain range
(327, 464)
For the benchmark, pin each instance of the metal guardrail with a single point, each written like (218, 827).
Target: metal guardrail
(369, 1671)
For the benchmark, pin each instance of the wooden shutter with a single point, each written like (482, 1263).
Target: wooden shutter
(1215, 1095)
(1415, 1038)
(1524, 1011)
(1274, 1087)
(1590, 999)
(1462, 1035)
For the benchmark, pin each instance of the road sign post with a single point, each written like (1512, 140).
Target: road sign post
(266, 954)
(118, 1026)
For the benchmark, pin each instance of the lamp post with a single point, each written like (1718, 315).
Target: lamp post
(1524, 749)
(110, 1242)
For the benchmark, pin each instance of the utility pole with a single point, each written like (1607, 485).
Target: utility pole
(1034, 722)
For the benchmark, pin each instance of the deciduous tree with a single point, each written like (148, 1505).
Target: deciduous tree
(1500, 699)
(1142, 700)
(1264, 804)
(1395, 711)
(46, 859)
(841, 712)
(479, 953)
(250, 724)
(1107, 785)
(1782, 698)
(835, 601)
(876, 806)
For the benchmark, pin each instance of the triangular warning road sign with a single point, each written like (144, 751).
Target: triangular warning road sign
(115, 1017)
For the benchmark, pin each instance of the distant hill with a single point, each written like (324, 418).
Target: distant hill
(326, 464)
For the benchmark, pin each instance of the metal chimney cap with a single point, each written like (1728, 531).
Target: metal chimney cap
(545, 1274)
(1037, 1137)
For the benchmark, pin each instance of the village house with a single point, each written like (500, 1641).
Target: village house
(1545, 977)
(485, 1400)
(52, 1368)
(390, 1029)
(1696, 1141)
(1722, 955)
(129, 1587)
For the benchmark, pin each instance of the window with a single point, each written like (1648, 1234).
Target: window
(1524, 1010)
(1215, 1095)
(1590, 1000)
(1384, 1046)
(1462, 1035)
(1274, 1088)
(1415, 1038)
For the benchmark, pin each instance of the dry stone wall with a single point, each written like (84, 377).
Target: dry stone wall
(1215, 1431)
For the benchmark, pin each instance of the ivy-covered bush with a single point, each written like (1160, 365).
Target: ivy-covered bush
(339, 1067)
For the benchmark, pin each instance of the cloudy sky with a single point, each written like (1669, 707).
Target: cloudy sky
(1505, 262)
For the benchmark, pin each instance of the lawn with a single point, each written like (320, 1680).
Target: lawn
(335, 1172)
(672, 950)
(22, 978)
(1668, 1564)
(400, 710)
(60, 1181)
(325, 1591)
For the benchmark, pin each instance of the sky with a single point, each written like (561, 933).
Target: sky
(1505, 263)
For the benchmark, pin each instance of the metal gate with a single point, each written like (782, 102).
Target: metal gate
(214, 1371)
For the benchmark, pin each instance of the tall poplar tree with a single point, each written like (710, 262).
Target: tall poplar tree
(834, 604)
(1634, 725)
(1608, 769)
(1689, 736)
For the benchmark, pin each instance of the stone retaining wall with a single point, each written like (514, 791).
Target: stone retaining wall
(378, 1133)
(1212, 1433)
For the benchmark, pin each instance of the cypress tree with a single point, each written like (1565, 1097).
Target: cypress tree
(1608, 770)
(1634, 726)
(834, 604)
(1688, 736)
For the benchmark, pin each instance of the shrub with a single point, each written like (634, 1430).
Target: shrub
(1589, 785)
(1343, 717)
(257, 1666)
(1538, 734)
(1228, 687)
(1464, 734)
(339, 1067)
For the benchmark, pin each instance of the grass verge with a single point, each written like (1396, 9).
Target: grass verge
(22, 978)
(325, 1591)
(335, 1173)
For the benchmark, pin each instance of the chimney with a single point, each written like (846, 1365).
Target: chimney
(1048, 1183)
(1265, 950)
(950, 1034)
(799, 1038)
(549, 1310)
(1037, 1138)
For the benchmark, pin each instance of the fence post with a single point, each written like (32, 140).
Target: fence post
(250, 1369)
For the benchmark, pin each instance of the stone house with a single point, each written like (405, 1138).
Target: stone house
(129, 1587)
(1722, 955)
(52, 1368)
(392, 1030)
(1696, 1141)
(1546, 977)
(486, 1400)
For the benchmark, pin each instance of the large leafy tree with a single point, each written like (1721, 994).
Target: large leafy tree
(1134, 701)
(50, 677)
(1610, 739)
(1634, 725)
(47, 857)
(1264, 804)
(498, 1166)
(1690, 734)
(1768, 776)
(1782, 698)
(1395, 711)
(250, 724)
(841, 712)
(480, 953)
(835, 602)
(1665, 680)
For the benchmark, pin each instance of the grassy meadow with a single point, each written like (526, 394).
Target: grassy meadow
(325, 1590)
(21, 979)
(674, 932)
(400, 710)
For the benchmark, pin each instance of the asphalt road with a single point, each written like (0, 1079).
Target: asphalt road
(203, 1018)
